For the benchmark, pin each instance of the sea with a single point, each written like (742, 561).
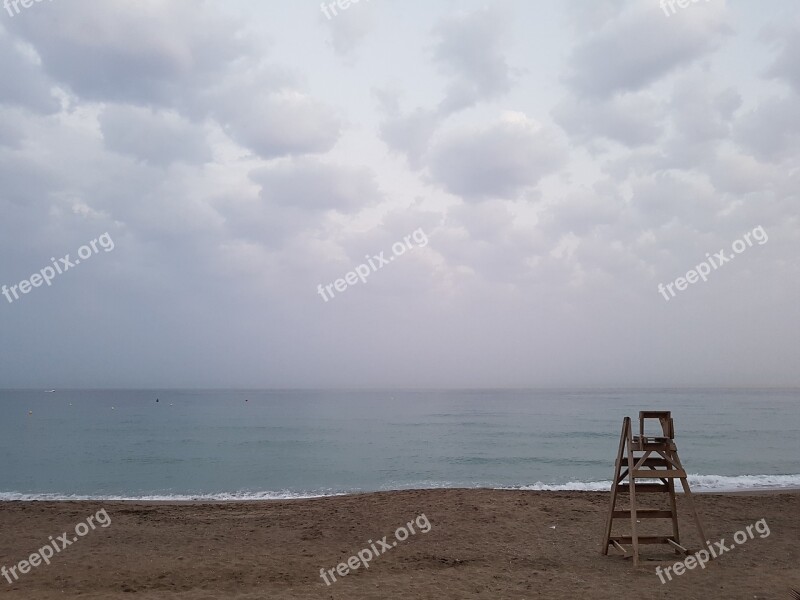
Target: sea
(282, 444)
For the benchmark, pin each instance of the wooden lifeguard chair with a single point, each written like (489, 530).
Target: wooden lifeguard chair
(648, 457)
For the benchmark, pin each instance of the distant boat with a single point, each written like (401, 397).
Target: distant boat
(49, 391)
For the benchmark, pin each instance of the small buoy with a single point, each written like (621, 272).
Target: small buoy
(30, 412)
(156, 399)
(171, 404)
(246, 400)
(70, 403)
(112, 408)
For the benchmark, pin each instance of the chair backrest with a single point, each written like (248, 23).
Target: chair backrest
(664, 418)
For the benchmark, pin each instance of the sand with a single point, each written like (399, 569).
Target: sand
(481, 544)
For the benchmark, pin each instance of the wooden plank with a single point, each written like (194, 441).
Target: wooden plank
(688, 495)
(639, 460)
(674, 508)
(644, 513)
(659, 473)
(645, 488)
(664, 420)
(653, 462)
(654, 414)
(678, 546)
(651, 539)
(660, 444)
(618, 547)
(614, 488)
(632, 490)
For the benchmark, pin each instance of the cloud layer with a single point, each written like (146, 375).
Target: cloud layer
(562, 160)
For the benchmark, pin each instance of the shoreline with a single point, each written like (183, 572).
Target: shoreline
(678, 491)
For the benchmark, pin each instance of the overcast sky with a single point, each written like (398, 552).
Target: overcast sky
(562, 159)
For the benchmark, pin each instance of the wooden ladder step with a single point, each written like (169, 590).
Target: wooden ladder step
(651, 439)
(643, 539)
(659, 473)
(644, 488)
(653, 446)
(652, 461)
(643, 513)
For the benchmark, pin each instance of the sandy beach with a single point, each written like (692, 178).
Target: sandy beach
(478, 544)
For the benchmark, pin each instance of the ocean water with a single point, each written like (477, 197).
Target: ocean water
(203, 444)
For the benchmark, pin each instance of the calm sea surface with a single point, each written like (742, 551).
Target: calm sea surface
(282, 444)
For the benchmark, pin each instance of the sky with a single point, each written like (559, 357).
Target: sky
(263, 194)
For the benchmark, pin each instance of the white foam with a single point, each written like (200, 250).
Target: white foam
(572, 486)
(700, 483)
(217, 497)
(743, 482)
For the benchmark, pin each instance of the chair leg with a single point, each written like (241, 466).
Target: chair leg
(632, 488)
(690, 500)
(614, 484)
(674, 509)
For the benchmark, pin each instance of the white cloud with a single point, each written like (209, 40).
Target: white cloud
(497, 161)
(640, 46)
(156, 138)
(562, 160)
